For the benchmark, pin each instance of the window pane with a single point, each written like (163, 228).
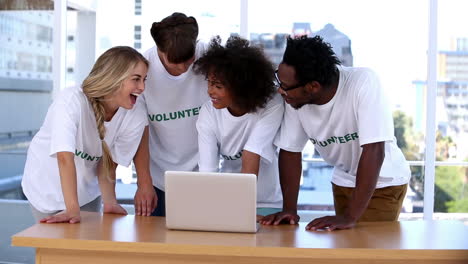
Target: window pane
(71, 47)
(451, 192)
(117, 27)
(361, 36)
(122, 27)
(26, 29)
(452, 90)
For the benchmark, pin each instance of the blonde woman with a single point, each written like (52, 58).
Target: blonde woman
(86, 133)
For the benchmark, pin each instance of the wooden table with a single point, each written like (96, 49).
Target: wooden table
(136, 239)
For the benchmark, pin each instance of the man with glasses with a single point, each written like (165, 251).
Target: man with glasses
(343, 111)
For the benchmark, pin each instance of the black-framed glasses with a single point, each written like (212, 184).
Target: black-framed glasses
(279, 84)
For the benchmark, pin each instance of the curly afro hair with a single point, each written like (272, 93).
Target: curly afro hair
(313, 59)
(242, 68)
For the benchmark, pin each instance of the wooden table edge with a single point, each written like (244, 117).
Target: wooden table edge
(239, 251)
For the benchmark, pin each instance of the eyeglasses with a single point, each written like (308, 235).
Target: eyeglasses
(279, 84)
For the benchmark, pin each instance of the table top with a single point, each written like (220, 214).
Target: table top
(149, 235)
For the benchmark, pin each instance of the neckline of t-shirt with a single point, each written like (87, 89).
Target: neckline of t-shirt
(228, 115)
(166, 73)
(115, 117)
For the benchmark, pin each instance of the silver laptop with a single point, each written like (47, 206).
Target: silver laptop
(211, 201)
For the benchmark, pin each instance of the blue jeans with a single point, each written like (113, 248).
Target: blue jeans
(161, 206)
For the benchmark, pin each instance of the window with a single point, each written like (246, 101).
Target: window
(397, 51)
(213, 17)
(137, 45)
(25, 84)
(363, 39)
(137, 7)
(451, 188)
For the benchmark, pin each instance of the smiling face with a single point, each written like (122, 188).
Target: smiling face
(130, 89)
(296, 97)
(221, 97)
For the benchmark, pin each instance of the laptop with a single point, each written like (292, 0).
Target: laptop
(211, 201)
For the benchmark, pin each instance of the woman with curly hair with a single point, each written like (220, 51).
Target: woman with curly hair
(242, 118)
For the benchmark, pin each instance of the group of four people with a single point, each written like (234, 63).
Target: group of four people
(203, 104)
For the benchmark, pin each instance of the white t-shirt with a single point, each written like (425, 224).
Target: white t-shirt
(225, 135)
(358, 114)
(70, 126)
(173, 104)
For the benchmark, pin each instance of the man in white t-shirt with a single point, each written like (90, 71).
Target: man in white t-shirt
(344, 113)
(174, 95)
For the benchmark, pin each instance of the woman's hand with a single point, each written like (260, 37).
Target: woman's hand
(63, 217)
(114, 208)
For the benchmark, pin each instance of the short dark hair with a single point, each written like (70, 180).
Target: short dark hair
(313, 59)
(176, 36)
(242, 68)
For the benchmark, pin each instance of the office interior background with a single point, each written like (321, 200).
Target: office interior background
(419, 49)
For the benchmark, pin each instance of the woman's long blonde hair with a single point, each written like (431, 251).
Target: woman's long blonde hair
(106, 77)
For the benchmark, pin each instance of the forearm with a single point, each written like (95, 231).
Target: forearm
(290, 168)
(250, 162)
(107, 184)
(367, 175)
(141, 161)
(67, 170)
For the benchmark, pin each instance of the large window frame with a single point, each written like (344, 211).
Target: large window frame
(429, 163)
(430, 137)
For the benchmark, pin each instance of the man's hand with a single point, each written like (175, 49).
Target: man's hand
(331, 223)
(63, 217)
(145, 200)
(114, 208)
(285, 217)
(259, 218)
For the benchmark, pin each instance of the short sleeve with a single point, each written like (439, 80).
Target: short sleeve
(375, 121)
(207, 140)
(291, 136)
(65, 118)
(261, 139)
(128, 139)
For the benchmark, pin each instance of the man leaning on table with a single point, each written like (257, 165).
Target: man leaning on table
(343, 111)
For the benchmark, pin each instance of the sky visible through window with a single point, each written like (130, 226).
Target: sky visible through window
(388, 36)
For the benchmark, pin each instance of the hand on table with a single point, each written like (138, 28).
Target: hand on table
(145, 200)
(331, 223)
(285, 217)
(114, 208)
(63, 217)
